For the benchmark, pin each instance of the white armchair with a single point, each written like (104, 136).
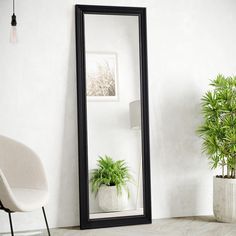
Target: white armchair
(23, 183)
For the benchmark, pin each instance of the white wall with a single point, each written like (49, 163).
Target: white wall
(189, 42)
(38, 101)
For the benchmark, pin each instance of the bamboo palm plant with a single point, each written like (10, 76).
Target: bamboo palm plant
(218, 129)
(111, 173)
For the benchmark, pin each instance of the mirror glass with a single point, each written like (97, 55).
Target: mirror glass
(113, 115)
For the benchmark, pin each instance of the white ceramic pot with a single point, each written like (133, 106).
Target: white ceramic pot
(224, 199)
(109, 200)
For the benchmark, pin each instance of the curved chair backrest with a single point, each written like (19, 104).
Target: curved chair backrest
(20, 165)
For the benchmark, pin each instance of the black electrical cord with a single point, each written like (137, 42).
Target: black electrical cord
(13, 17)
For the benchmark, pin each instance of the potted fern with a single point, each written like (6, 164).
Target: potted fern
(110, 184)
(218, 131)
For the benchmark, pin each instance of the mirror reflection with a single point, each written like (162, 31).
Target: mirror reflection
(113, 115)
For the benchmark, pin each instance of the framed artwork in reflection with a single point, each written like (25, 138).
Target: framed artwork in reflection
(101, 76)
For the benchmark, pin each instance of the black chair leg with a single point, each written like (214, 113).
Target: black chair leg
(12, 232)
(44, 214)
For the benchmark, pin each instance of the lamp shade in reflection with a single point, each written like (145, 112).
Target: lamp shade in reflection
(135, 115)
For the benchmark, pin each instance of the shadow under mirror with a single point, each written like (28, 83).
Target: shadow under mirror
(113, 115)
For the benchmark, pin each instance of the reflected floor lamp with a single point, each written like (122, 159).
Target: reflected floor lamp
(135, 124)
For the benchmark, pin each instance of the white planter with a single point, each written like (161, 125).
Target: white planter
(224, 199)
(109, 200)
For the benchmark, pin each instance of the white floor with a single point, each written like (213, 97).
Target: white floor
(187, 226)
(117, 214)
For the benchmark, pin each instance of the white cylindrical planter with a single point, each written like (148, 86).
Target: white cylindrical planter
(224, 199)
(109, 200)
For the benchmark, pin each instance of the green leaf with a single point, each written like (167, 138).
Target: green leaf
(218, 129)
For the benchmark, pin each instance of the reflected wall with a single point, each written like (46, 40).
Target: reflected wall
(112, 87)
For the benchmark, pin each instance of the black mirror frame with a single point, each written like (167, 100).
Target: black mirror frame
(85, 222)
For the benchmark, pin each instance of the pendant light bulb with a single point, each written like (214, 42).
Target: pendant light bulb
(13, 35)
(13, 31)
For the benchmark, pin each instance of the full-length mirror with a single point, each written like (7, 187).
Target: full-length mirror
(113, 116)
(113, 94)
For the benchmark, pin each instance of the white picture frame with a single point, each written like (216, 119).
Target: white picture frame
(102, 76)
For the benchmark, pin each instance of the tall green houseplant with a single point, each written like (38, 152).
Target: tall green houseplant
(218, 129)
